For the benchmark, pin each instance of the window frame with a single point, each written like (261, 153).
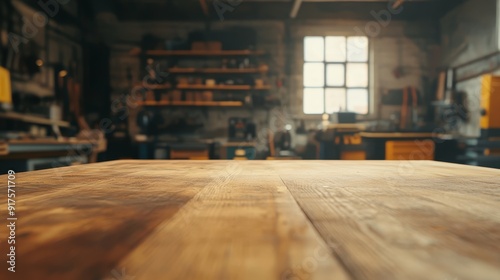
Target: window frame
(344, 64)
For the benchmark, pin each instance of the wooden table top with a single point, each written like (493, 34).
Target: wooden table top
(256, 220)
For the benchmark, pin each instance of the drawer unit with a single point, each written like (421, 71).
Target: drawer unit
(409, 150)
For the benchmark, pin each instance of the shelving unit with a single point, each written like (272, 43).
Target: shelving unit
(222, 73)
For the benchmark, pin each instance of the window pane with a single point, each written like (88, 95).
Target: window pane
(357, 49)
(335, 75)
(335, 100)
(335, 49)
(357, 75)
(314, 102)
(314, 49)
(357, 101)
(314, 74)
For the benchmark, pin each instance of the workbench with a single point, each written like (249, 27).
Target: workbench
(336, 142)
(256, 220)
(32, 154)
(426, 145)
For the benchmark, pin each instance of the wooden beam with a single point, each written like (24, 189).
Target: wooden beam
(204, 7)
(295, 8)
(397, 4)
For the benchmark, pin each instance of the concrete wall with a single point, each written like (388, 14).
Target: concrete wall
(125, 35)
(469, 32)
(413, 41)
(405, 44)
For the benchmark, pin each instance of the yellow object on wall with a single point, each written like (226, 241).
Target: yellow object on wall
(5, 86)
(490, 102)
(409, 150)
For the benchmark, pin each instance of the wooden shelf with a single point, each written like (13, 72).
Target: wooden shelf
(193, 103)
(154, 86)
(216, 71)
(32, 88)
(222, 87)
(205, 87)
(202, 53)
(32, 119)
(266, 87)
(216, 87)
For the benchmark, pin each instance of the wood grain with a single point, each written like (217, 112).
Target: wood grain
(404, 220)
(257, 220)
(77, 222)
(244, 225)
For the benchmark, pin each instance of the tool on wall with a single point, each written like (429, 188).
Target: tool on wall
(75, 91)
(405, 106)
(241, 129)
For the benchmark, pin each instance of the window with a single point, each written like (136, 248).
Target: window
(336, 74)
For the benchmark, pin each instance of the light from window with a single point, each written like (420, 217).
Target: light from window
(336, 74)
(314, 74)
(314, 49)
(334, 99)
(314, 100)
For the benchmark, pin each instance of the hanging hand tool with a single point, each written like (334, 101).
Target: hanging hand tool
(404, 109)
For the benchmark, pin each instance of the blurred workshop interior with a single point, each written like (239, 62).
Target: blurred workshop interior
(100, 80)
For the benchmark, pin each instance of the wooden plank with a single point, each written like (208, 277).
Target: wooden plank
(192, 103)
(153, 86)
(441, 88)
(204, 7)
(202, 52)
(403, 220)
(205, 87)
(78, 222)
(216, 87)
(178, 70)
(4, 148)
(32, 119)
(244, 225)
(257, 220)
(48, 141)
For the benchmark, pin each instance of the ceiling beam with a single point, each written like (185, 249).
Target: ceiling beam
(295, 8)
(397, 4)
(204, 7)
